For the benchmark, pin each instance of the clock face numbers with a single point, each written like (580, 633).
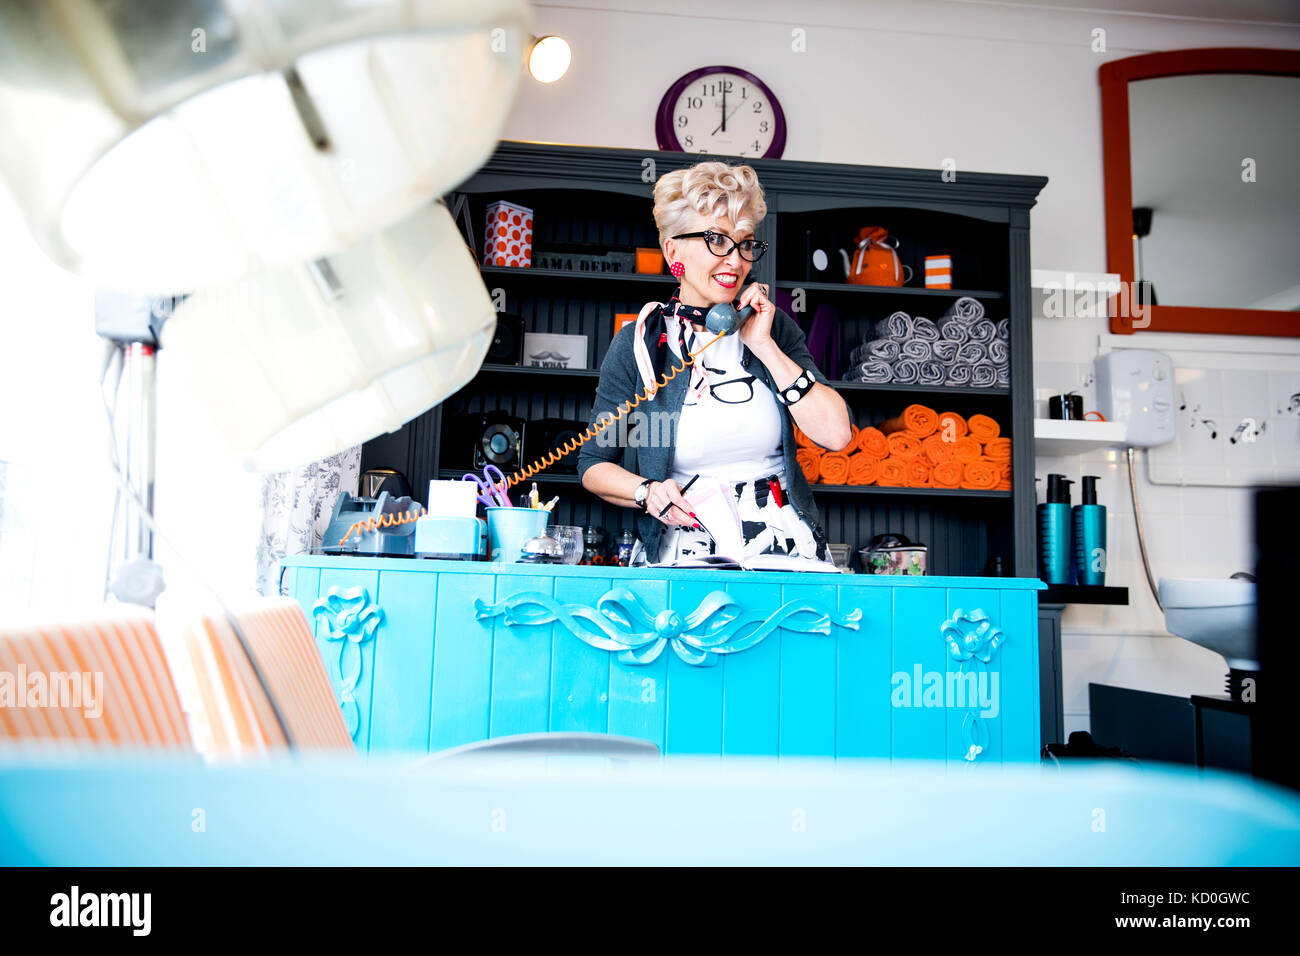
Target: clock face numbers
(723, 113)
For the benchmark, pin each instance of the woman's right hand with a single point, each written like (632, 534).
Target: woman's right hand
(663, 493)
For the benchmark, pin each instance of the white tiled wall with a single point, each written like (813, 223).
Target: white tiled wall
(1191, 531)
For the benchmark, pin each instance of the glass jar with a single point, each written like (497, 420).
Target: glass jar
(571, 536)
(625, 544)
(594, 553)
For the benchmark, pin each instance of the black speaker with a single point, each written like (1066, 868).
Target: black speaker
(472, 440)
(543, 435)
(500, 442)
(507, 346)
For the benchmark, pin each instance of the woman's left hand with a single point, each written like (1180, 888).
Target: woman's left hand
(756, 331)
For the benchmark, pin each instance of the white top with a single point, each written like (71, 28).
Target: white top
(733, 432)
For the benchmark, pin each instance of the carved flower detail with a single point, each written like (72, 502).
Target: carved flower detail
(349, 614)
(972, 635)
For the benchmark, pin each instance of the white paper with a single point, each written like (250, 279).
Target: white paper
(715, 509)
(453, 499)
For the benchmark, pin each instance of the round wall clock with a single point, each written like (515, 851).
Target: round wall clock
(723, 110)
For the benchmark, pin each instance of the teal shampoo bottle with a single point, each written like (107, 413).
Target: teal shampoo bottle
(1054, 532)
(1090, 535)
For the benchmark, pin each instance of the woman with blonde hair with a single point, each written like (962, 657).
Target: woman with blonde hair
(735, 408)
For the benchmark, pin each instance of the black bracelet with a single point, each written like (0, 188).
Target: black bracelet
(800, 387)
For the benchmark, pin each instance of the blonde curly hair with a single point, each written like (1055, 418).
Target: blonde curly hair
(713, 190)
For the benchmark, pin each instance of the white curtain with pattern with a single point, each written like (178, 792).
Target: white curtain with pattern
(296, 509)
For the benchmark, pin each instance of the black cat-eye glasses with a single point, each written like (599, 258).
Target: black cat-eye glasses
(720, 244)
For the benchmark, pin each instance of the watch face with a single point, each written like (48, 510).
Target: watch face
(721, 110)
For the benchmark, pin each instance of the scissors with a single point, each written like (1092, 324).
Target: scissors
(491, 490)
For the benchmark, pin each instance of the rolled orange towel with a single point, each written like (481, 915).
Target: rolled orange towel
(967, 449)
(803, 441)
(891, 425)
(810, 460)
(873, 442)
(864, 469)
(983, 429)
(918, 473)
(999, 449)
(957, 429)
(902, 445)
(979, 475)
(936, 449)
(920, 420)
(1004, 476)
(947, 474)
(893, 473)
(835, 468)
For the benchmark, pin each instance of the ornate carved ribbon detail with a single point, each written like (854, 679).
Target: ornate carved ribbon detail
(352, 619)
(621, 622)
(973, 640)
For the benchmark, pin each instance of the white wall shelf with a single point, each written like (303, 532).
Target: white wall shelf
(1065, 294)
(1054, 438)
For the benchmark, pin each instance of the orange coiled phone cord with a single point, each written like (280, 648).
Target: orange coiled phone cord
(383, 521)
(561, 450)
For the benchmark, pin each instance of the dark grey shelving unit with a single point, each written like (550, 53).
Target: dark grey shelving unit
(838, 288)
(599, 196)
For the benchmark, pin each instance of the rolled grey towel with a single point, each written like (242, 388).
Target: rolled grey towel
(906, 372)
(954, 330)
(924, 329)
(917, 349)
(999, 352)
(931, 373)
(984, 375)
(884, 349)
(1004, 330)
(874, 371)
(972, 353)
(945, 350)
(965, 308)
(1004, 375)
(982, 330)
(958, 375)
(897, 327)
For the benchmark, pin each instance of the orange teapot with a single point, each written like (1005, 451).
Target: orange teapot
(875, 260)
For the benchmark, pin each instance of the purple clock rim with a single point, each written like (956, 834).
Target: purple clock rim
(666, 136)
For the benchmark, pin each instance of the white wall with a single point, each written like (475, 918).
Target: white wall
(998, 88)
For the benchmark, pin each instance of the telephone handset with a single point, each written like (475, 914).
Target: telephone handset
(723, 318)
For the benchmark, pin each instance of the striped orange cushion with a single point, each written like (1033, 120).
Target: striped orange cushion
(101, 681)
(240, 720)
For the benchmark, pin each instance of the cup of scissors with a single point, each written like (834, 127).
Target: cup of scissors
(491, 487)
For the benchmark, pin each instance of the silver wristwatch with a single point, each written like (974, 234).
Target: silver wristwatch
(641, 494)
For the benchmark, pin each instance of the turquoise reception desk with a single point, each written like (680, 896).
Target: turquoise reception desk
(426, 655)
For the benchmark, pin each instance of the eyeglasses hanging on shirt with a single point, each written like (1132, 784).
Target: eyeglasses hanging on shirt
(732, 391)
(735, 391)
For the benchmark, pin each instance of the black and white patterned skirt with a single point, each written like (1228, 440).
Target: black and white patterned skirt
(769, 522)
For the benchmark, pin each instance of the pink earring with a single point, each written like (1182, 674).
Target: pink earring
(677, 269)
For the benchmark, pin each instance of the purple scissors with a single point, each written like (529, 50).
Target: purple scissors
(491, 490)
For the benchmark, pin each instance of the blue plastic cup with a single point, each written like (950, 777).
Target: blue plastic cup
(509, 528)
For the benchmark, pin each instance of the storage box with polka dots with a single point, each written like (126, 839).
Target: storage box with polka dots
(508, 238)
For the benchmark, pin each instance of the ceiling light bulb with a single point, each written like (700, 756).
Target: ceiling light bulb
(549, 59)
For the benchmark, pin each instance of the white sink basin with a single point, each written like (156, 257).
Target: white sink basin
(1217, 613)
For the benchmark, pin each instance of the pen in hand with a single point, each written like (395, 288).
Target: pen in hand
(685, 488)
